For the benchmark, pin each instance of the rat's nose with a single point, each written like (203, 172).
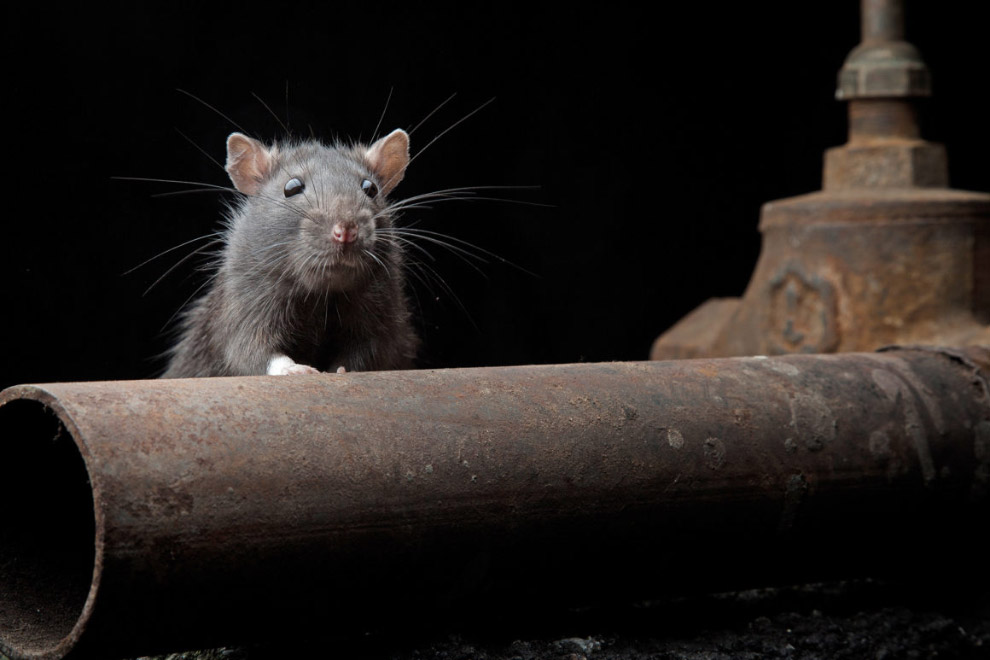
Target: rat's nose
(345, 232)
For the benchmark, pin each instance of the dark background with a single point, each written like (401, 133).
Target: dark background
(652, 134)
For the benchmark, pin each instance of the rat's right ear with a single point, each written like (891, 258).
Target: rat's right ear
(248, 163)
(388, 158)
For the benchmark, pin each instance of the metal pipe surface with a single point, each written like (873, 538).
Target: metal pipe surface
(155, 515)
(882, 20)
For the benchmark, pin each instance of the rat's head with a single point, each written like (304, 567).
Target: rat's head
(311, 212)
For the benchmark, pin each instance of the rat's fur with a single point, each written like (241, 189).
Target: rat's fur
(285, 288)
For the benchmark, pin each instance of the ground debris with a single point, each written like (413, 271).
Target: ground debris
(846, 620)
(210, 654)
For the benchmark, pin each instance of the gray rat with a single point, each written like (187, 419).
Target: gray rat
(310, 278)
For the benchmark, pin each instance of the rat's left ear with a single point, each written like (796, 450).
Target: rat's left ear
(249, 163)
(388, 158)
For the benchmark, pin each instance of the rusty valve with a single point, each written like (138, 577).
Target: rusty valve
(885, 253)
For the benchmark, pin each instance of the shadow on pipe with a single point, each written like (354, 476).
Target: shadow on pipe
(154, 515)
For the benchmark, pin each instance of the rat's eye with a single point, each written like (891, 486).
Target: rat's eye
(294, 187)
(369, 188)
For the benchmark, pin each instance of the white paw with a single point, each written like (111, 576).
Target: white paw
(341, 370)
(282, 365)
(301, 369)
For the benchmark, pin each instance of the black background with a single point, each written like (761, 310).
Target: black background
(652, 134)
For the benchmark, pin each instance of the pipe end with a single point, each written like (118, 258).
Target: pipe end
(48, 553)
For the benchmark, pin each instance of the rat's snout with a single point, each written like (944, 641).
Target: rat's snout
(345, 232)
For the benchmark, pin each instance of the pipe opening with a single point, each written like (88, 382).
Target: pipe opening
(47, 529)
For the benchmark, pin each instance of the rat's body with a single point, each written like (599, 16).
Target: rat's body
(310, 279)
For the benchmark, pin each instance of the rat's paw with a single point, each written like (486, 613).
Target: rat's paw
(300, 369)
(283, 365)
(341, 370)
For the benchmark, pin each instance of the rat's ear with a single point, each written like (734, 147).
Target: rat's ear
(388, 158)
(248, 163)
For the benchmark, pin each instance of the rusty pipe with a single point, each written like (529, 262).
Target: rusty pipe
(155, 515)
(882, 20)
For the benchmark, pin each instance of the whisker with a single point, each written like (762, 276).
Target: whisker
(437, 236)
(431, 113)
(272, 112)
(435, 276)
(215, 234)
(466, 194)
(463, 254)
(440, 135)
(205, 187)
(181, 308)
(178, 182)
(376, 259)
(419, 248)
(452, 127)
(196, 98)
(176, 193)
(200, 149)
(287, 105)
(177, 264)
(381, 118)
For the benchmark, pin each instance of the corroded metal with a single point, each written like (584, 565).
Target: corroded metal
(155, 515)
(883, 65)
(884, 253)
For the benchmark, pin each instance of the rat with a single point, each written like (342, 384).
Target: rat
(309, 278)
